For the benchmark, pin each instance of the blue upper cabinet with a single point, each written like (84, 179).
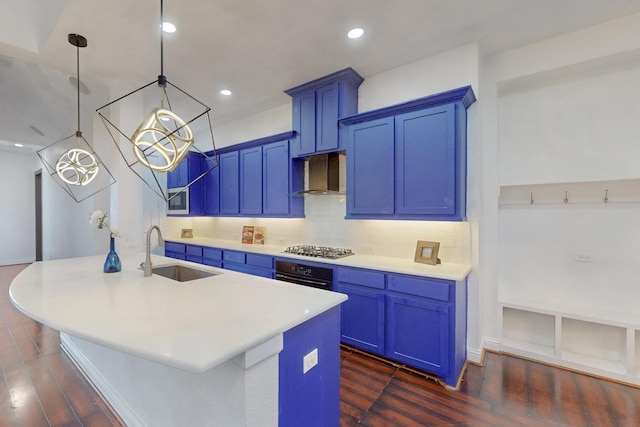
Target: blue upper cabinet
(251, 181)
(179, 177)
(229, 183)
(256, 178)
(370, 176)
(275, 178)
(408, 161)
(317, 106)
(425, 143)
(211, 190)
(189, 169)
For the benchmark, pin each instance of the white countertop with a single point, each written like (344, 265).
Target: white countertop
(192, 325)
(446, 271)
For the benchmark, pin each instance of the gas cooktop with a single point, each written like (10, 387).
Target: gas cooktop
(318, 251)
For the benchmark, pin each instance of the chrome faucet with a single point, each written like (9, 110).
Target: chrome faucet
(147, 262)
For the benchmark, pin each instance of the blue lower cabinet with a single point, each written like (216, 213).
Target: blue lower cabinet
(194, 253)
(249, 263)
(418, 333)
(212, 257)
(311, 399)
(363, 314)
(175, 250)
(417, 321)
(362, 318)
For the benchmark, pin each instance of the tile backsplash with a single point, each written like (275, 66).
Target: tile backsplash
(325, 224)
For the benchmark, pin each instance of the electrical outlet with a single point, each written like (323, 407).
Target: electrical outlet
(582, 258)
(310, 360)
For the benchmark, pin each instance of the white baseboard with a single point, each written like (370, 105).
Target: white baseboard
(6, 262)
(476, 355)
(99, 383)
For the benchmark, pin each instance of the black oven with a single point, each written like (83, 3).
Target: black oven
(304, 274)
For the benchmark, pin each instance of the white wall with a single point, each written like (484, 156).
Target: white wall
(17, 210)
(564, 111)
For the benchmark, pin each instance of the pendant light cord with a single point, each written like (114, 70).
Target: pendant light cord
(161, 77)
(78, 133)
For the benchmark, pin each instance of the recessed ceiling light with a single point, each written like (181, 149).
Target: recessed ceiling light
(18, 145)
(168, 27)
(225, 92)
(355, 33)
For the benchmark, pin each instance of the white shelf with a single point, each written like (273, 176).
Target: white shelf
(571, 193)
(525, 347)
(597, 363)
(607, 348)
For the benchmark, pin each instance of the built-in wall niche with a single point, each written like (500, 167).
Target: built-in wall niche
(600, 346)
(596, 345)
(529, 331)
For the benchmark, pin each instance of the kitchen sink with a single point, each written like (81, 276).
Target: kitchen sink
(181, 273)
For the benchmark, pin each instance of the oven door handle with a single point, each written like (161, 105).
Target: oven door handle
(292, 279)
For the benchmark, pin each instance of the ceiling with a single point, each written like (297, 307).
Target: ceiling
(255, 48)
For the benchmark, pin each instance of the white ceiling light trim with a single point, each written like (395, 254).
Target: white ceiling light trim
(168, 27)
(355, 33)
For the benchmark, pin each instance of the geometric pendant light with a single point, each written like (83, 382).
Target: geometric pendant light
(72, 162)
(176, 124)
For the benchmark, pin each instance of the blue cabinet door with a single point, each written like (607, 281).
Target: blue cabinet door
(229, 183)
(251, 181)
(211, 190)
(418, 333)
(426, 162)
(370, 168)
(195, 162)
(304, 122)
(275, 178)
(327, 118)
(179, 177)
(362, 317)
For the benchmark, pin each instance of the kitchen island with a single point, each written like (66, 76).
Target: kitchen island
(203, 352)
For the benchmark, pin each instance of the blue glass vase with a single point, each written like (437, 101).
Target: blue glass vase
(112, 263)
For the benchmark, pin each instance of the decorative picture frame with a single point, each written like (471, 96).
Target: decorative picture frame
(427, 252)
(187, 233)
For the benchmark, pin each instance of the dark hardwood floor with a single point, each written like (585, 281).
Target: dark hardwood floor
(41, 387)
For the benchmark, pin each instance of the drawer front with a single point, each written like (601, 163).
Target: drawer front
(212, 262)
(179, 248)
(428, 288)
(194, 250)
(260, 260)
(367, 278)
(232, 256)
(250, 270)
(194, 258)
(210, 253)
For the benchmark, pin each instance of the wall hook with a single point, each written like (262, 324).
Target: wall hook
(606, 196)
(531, 196)
(566, 197)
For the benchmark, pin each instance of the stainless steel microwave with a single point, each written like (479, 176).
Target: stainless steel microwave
(178, 203)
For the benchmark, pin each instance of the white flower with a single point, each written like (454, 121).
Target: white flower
(99, 219)
(94, 219)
